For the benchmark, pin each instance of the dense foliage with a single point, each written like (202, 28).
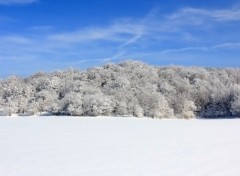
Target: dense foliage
(129, 88)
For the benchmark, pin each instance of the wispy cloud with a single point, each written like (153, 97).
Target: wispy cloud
(153, 26)
(183, 49)
(142, 28)
(155, 34)
(16, 39)
(113, 32)
(232, 14)
(227, 46)
(13, 2)
(127, 31)
(221, 46)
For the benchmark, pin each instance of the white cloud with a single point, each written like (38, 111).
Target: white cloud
(232, 14)
(153, 26)
(131, 40)
(143, 28)
(227, 46)
(115, 32)
(205, 48)
(11, 2)
(123, 38)
(84, 35)
(16, 39)
(221, 46)
(127, 31)
(183, 49)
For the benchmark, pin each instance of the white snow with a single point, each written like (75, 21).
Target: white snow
(76, 146)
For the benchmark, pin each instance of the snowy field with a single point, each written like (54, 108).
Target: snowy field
(71, 146)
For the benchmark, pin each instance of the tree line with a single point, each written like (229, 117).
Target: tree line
(129, 88)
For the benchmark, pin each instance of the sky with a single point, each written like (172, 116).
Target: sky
(47, 35)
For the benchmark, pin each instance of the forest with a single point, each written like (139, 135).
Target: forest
(129, 88)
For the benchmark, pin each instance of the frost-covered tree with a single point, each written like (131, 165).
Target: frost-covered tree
(189, 109)
(130, 88)
(71, 104)
(97, 105)
(235, 103)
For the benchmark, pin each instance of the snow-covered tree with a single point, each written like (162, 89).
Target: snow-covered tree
(129, 88)
(235, 103)
(97, 105)
(71, 104)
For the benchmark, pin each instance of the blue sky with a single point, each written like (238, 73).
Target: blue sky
(46, 35)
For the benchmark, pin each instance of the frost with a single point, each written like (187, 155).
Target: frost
(129, 88)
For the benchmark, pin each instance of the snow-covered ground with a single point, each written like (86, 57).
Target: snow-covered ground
(71, 146)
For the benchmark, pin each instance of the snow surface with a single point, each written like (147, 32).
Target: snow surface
(76, 146)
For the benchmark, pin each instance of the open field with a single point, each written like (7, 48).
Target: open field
(60, 146)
